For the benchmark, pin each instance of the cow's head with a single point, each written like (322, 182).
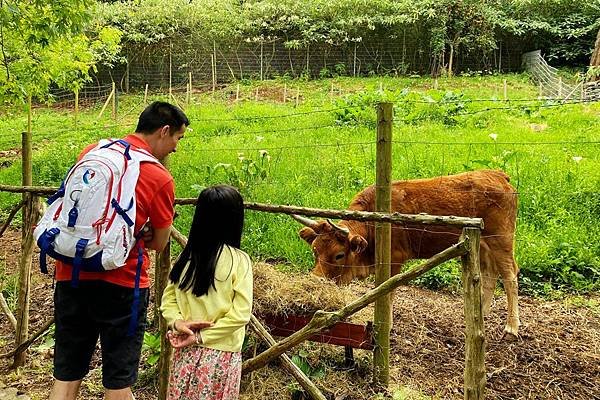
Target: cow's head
(336, 249)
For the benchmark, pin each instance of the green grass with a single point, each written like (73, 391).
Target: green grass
(322, 159)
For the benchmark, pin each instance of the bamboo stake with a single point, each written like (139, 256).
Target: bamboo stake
(261, 60)
(108, 99)
(505, 90)
(474, 374)
(285, 93)
(297, 95)
(8, 312)
(114, 101)
(188, 95)
(382, 320)
(214, 65)
(296, 372)
(76, 107)
(354, 62)
(146, 94)
(396, 218)
(25, 345)
(11, 215)
(170, 70)
(127, 74)
(322, 319)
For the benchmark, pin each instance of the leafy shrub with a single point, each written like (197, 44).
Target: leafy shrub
(151, 347)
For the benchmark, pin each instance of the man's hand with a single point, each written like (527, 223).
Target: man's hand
(185, 332)
(147, 232)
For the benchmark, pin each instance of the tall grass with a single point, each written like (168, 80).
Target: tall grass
(321, 159)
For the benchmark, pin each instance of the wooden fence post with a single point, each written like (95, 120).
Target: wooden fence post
(163, 265)
(114, 101)
(161, 275)
(108, 99)
(26, 245)
(76, 107)
(127, 74)
(474, 374)
(261, 60)
(188, 97)
(214, 66)
(354, 62)
(383, 231)
(170, 72)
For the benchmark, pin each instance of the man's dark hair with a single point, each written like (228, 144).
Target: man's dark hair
(159, 114)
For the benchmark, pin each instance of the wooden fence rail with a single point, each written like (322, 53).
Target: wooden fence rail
(421, 219)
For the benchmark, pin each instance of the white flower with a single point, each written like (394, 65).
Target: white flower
(260, 138)
(493, 136)
(577, 159)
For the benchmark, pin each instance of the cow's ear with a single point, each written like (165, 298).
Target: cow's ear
(358, 243)
(308, 234)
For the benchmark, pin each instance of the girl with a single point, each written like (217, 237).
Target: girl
(208, 300)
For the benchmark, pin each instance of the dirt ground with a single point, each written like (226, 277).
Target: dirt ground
(556, 357)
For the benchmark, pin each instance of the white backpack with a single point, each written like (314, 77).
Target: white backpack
(90, 221)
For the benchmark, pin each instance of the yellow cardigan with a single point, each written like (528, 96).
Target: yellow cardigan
(228, 307)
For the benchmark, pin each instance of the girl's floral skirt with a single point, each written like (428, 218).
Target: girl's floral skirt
(207, 374)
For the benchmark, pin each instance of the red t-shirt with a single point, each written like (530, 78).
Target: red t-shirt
(155, 197)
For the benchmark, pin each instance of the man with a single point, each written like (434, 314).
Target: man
(101, 306)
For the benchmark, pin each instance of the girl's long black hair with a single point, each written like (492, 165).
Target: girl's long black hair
(218, 221)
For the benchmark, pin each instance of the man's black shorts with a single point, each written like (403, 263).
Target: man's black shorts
(97, 309)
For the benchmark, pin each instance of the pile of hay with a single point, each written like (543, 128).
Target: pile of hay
(288, 293)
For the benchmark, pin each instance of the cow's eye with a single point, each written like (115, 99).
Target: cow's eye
(339, 256)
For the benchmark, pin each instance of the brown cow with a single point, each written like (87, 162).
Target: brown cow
(346, 251)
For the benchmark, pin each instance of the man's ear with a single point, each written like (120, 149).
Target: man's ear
(357, 243)
(165, 130)
(308, 234)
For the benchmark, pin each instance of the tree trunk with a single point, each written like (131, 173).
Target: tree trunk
(595, 60)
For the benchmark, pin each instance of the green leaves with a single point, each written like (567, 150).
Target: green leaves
(41, 43)
(151, 347)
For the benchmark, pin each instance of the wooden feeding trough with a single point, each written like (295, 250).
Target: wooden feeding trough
(347, 334)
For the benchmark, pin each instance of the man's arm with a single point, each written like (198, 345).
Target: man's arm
(160, 238)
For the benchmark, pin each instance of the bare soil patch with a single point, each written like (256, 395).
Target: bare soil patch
(556, 357)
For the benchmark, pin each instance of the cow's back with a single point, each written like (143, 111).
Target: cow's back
(485, 194)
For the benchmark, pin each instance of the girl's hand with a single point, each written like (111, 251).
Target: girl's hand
(179, 340)
(184, 334)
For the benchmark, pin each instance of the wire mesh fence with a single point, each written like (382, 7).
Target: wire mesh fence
(552, 85)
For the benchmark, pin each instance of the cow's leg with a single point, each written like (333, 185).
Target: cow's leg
(509, 273)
